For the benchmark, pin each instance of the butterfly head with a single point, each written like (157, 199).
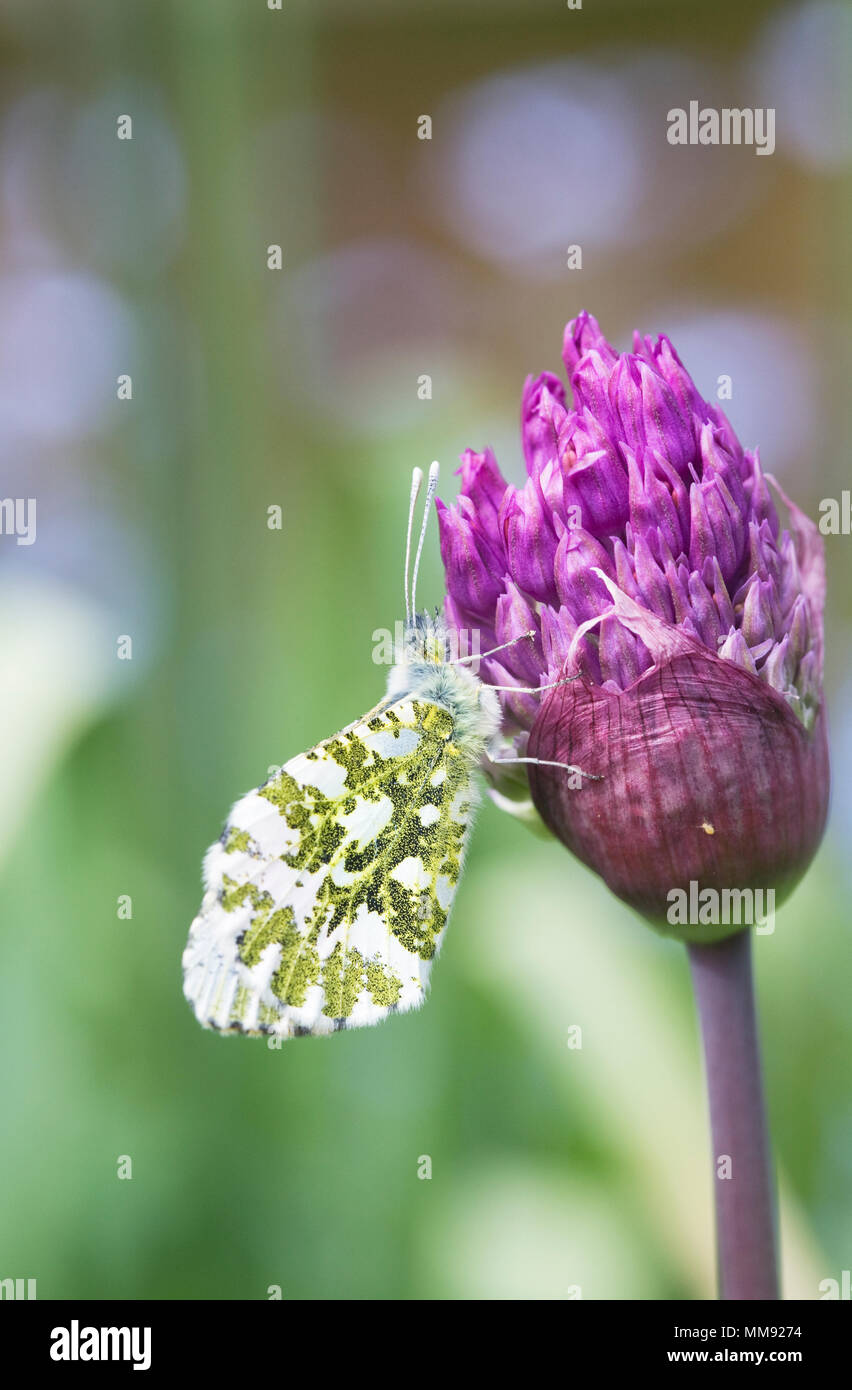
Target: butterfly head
(426, 640)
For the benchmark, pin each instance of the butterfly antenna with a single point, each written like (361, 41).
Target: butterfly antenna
(416, 483)
(434, 469)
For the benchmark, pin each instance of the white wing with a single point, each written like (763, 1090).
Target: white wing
(328, 893)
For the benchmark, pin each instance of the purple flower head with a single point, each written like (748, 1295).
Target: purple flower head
(646, 554)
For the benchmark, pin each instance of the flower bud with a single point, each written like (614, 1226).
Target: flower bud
(646, 553)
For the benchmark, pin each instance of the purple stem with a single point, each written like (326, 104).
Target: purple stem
(745, 1206)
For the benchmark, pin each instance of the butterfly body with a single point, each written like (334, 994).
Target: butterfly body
(329, 891)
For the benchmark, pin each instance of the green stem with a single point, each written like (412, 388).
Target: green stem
(744, 1189)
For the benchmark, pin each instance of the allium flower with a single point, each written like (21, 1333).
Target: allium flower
(646, 553)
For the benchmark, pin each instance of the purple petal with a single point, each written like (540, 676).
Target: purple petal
(622, 656)
(515, 618)
(649, 414)
(557, 631)
(545, 423)
(530, 543)
(473, 579)
(590, 383)
(484, 484)
(810, 556)
(580, 589)
(581, 336)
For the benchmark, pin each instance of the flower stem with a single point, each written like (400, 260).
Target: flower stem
(744, 1189)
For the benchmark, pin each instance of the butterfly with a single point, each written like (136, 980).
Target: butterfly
(328, 892)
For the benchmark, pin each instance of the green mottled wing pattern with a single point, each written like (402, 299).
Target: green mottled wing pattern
(329, 890)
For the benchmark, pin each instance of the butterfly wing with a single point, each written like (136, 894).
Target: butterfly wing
(329, 890)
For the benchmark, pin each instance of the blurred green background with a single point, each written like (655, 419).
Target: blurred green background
(552, 1168)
